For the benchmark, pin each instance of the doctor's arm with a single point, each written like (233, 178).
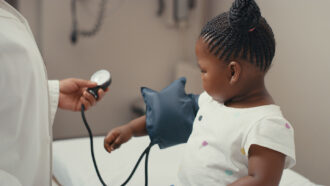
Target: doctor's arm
(73, 93)
(70, 94)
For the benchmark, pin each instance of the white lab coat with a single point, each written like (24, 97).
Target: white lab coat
(28, 102)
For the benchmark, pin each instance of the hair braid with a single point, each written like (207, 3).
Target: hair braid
(241, 33)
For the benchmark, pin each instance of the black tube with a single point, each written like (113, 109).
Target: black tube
(146, 166)
(145, 152)
(91, 142)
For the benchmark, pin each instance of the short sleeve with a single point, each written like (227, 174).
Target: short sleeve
(276, 134)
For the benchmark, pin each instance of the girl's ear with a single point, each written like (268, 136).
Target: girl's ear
(235, 70)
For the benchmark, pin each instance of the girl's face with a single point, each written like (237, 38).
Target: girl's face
(214, 73)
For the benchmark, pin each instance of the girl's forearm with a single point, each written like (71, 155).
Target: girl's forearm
(138, 126)
(250, 181)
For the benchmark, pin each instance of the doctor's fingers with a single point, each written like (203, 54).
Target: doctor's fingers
(89, 98)
(85, 103)
(84, 83)
(101, 93)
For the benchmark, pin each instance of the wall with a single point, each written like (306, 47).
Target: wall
(139, 49)
(299, 77)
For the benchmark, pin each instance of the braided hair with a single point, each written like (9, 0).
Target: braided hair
(241, 33)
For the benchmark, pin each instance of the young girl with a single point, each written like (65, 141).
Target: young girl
(239, 135)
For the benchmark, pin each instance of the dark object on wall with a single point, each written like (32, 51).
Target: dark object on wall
(76, 32)
(161, 7)
(192, 4)
(13, 3)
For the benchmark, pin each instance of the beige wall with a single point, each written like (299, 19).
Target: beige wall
(299, 78)
(139, 48)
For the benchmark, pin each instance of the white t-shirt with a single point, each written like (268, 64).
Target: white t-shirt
(217, 150)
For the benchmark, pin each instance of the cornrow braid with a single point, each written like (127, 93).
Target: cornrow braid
(241, 33)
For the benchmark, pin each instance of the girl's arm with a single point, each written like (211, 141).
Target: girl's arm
(265, 167)
(138, 126)
(122, 134)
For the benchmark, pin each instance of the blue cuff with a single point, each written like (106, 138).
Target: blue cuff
(170, 113)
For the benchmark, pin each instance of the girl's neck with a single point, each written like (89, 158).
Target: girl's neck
(255, 95)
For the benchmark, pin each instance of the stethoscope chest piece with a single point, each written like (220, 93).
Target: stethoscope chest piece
(103, 80)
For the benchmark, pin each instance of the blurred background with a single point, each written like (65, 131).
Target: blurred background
(151, 42)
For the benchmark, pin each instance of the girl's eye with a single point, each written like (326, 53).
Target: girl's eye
(203, 71)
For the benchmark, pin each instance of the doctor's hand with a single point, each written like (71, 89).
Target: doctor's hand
(73, 93)
(116, 137)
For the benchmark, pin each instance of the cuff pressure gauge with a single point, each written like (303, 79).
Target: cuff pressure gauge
(103, 80)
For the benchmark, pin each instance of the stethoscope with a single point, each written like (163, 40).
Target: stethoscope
(103, 80)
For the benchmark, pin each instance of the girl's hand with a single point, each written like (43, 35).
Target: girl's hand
(116, 137)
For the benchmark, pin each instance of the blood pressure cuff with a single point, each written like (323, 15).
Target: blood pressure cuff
(170, 114)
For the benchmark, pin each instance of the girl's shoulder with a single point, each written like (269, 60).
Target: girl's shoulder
(273, 132)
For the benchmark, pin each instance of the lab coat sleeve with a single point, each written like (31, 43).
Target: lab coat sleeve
(8, 179)
(54, 92)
